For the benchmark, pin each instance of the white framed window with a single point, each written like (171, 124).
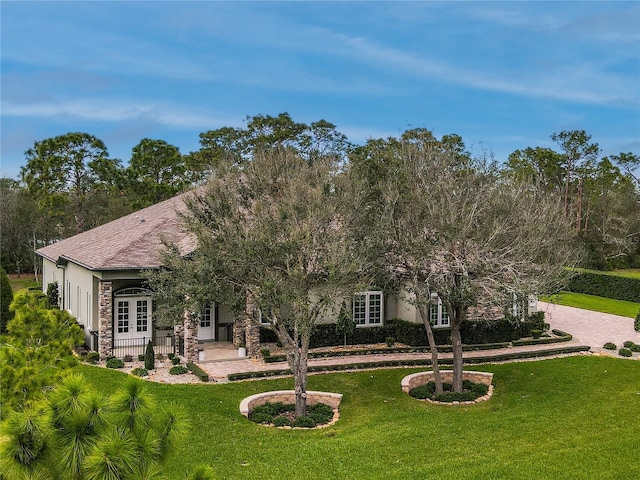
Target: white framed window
(123, 317)
(368, 308)
(78, 303)
(88, 308)
(438, 314)
(142, 315)
(205, 317)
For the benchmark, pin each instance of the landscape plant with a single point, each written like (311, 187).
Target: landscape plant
(273, 243)
(625, 352)
(149, 357)
(80, 434)
(53, 295)
(37, 351)
(476, 238)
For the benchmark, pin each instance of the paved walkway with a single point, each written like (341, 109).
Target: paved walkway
(588, 329)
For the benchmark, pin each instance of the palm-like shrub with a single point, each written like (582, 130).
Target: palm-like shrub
(85, 436)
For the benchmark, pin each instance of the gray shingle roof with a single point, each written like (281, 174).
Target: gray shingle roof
(130, 242)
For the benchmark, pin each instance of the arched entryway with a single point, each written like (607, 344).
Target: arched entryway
(132, 316)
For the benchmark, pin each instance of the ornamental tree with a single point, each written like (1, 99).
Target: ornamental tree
(453, 228)
(273, 243)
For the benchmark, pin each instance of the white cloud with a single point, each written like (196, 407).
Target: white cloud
(117, 111)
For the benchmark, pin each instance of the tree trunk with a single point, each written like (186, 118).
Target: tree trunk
(298, 365)
(437, 377)
(457, 317)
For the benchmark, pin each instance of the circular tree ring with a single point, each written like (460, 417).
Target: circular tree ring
(415, 380)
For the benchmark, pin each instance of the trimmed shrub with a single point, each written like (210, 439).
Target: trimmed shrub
(139, 372)
(424, 391)
(149, 358)
(198, 372)
(471, 392)
(624, 352)
(635, 348)
(610, 346)
(636, 323)
(115, 363)
(265, 352)
(304, 422)
(171, 356)
(141, 357)
(628, 344)
(53, 295)
(281, 422)
(178, 370)
(93, 357)
(321, 413)
(535, 333)
(608, 286)
(175, 361)
(390, 341)
(275, 408)
(455, 397)
(261, 417)
(127, 359)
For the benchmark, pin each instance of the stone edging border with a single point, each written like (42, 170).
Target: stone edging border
(418, 379)
(289, 396)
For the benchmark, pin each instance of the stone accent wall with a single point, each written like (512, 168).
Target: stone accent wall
(246, 331)
(288, 396)
(485, 312)
(105, 319)
(239, 331)
(190, 331)
(415, 380)
(253, 338)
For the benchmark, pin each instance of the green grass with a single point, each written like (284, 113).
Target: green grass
(570, 418)
(627, 272)
(592, 302)
(26, 280)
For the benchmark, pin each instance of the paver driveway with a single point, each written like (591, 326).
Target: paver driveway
(590, 328)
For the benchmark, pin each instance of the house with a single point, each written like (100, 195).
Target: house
(99, 274)
(99, 277)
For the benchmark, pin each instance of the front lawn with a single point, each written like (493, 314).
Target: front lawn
(568, 418)
(25, 280)
(592, 302)
(622, 272)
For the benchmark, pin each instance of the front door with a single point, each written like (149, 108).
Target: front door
(206, 327)
(132, 318)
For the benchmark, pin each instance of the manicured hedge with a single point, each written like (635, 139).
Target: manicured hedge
(608, 286)
(474, 332)
(414, 362)
(198, 372)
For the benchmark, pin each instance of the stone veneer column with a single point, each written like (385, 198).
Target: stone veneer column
(105, 319)
(190, 337)
(253, 338)
(246, 331)
(239, 332)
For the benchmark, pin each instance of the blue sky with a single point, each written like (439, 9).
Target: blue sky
(503, 75)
